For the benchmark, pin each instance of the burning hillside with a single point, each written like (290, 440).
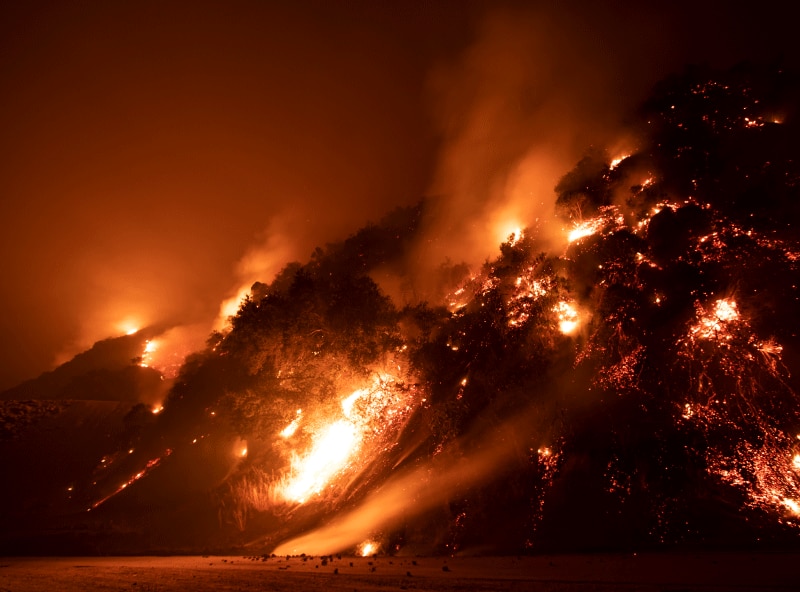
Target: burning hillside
(632, 386)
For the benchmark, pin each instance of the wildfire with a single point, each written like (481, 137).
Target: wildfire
(368, 548)
(721, 381)
(128, 327)
(363, 414)
(150, 346)
(567, 317)
(527, 289)
(756, 122)
(764, 471)
(515, 236)
(616, 161)
(290, 429)
(229, 307)
(149, 466)
(792, 505)
(330, 452)
(764, 467)
(585, 228)
(714, 324)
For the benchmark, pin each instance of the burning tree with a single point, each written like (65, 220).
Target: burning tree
(691, 271)
(633, 387)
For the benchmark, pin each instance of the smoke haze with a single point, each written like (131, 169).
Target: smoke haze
(535, 90)
(157, 159)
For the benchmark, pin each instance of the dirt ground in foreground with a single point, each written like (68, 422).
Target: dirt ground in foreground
(662, 572)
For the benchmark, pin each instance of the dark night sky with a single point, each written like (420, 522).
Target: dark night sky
(156, 156)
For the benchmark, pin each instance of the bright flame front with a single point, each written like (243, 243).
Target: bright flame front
(363, 415)
(329, 454)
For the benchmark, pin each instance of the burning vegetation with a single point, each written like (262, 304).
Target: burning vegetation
(632, 389)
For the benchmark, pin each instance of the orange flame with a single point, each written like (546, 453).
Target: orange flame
(585, 228)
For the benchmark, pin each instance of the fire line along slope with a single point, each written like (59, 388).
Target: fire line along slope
(633, 386)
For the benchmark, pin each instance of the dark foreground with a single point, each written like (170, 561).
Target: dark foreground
(717, 572)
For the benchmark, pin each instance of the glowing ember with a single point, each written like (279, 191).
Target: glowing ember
(151, 464)
(793, 506)
(762, 467)
(368, 548)
(714, 324)
(567, 317)
(770, 348)
(290, 429)
(528, 288)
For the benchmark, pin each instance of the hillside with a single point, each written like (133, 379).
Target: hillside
(633, 387)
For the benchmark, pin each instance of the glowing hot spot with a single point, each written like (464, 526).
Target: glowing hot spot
(129, 326)
(714, 324)
(567, 317)
(368, 548)
(792, 505)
